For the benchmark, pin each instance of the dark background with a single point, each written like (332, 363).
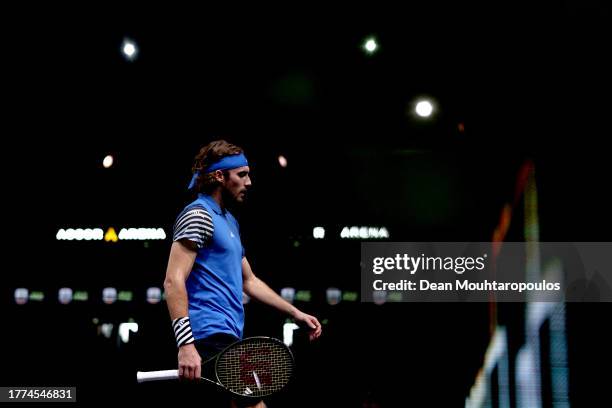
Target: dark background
(527, 82)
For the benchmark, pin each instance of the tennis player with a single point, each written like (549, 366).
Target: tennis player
(208, 271)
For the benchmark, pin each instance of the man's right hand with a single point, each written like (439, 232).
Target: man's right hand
(189, 363)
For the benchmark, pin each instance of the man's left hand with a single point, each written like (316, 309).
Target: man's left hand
(311, 322)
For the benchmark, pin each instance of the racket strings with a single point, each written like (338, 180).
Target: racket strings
(255, 368)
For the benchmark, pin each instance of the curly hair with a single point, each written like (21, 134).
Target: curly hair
(208, 155)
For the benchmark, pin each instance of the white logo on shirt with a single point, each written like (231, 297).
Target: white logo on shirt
(231, 234)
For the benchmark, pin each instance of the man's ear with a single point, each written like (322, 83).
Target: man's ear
(218, 174)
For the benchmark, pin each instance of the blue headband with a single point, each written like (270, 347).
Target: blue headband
(226, 163)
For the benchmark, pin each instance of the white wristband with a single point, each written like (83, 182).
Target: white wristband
(182, 331)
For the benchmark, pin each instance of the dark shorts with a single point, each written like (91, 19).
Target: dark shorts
(213, 345)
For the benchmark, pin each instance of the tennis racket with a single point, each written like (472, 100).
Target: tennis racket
(254, 367)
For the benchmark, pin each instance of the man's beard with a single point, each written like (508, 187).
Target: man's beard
(232, 201)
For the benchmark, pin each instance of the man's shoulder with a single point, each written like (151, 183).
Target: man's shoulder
(195, 208)
(194, 224)
(194, 212)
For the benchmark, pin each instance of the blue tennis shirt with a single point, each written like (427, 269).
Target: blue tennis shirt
(214, 286)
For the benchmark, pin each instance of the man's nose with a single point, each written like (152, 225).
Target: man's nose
(247, 183)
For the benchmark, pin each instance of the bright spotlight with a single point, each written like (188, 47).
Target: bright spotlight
(424, 109)
(129, 49)
(282, 161)
(370, 45)
(108, 161)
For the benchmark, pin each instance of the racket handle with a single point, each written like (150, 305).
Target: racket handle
(144, 376)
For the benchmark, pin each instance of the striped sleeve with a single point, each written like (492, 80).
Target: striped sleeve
(195, 225)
